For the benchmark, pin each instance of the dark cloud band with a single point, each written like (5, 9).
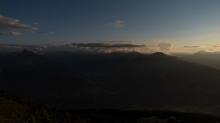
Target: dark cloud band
(191, 46)
(105, 45)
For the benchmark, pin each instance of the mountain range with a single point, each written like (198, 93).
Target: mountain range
(132, 80)
(211, 59)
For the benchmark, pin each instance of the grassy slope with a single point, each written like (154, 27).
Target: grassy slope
(13, 108)
(17, 109)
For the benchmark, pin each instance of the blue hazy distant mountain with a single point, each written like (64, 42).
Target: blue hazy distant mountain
(211, 59)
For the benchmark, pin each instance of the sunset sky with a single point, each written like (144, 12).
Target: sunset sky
(179, 25)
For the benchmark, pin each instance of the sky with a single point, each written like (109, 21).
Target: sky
(147, 25)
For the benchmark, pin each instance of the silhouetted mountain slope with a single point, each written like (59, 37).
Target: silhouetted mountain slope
(211, 59)
(159, 77)
(40, 82)
(29, 61)
(90, 63)
(47, 88)
(169, 80)
(119, 80)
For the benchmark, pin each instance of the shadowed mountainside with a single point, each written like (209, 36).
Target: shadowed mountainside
(29, 61)
(117, 80)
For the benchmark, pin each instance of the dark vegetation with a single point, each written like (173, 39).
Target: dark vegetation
(15, 109)
(20, 110)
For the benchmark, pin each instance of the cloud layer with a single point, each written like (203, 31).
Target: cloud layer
(14, 24)
(191, 46)
(106, 45)
(14, 27)
(116, 24)
(165, 46)
(100, 47)
(10, 34)
(49, 32)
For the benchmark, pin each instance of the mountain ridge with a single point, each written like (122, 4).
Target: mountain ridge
(29, 61)
(112, 78)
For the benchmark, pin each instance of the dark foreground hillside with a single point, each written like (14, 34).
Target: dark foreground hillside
(18, 110)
